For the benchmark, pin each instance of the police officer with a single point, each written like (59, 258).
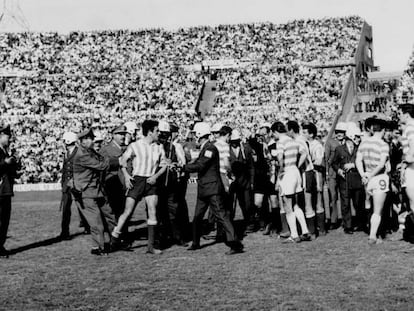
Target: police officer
(114, 188)
(170, 198)
(70, 139)
(8, 171)
(210, 190)
(87, 189)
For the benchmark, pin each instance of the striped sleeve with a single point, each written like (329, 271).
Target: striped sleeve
(407, 137)
(385, 150)
(280, 148)
(163, 157)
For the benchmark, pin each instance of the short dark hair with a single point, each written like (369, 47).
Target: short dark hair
(293, 125)
(369, 122)
(278, 127)
(148, 126)
(311, 128)
(392, 125)
(407, 108)
(225, 130)
(378, 125)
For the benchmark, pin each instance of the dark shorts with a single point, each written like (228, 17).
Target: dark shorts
(310, 181)
(141, 189)
(263, 185)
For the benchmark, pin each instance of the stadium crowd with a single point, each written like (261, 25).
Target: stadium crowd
(405, 91)
(76, 80)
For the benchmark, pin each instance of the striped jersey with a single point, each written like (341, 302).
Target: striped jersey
(407, 135)
(224, 155)
(148, 157)
(290, 150)
(371, 149)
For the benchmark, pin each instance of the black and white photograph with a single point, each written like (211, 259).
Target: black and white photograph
(207, 155)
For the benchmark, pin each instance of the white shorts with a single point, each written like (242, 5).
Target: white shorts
(408, 177)
(378, 184)
(290, 182)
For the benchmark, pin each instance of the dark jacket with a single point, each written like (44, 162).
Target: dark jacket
(340, 158)
(208, 168)
(7, 174)
(261, 164)
(88, 169)
(242, 166)
(67, 170)
(330, 148)
(112, 151)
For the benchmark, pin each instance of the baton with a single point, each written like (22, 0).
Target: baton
(168, 168)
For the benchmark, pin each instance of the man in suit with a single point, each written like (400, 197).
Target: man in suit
(8, 171)
(70, 139)
(210, 190)
(114, 187)
(242, 170)
(332, 181)
(350, 183)
(87, 188)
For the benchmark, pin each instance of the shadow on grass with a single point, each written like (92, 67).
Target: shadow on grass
(208, 234)
(43, 243)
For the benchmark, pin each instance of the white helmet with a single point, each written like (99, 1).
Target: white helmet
(131, 127)
(341, 126)
(69, 138)
(216, 127)
(164, 126)
(235, 135)
(353, 131)
(98, 137)
(265, 124)
(202, 129)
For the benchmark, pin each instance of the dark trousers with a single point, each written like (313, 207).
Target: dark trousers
(5, 211)
(333, 197)
(66, 205)
(244, 197)
(215, 202)
(100, 218)
(116, 195)
(357, 197)
(172, 213)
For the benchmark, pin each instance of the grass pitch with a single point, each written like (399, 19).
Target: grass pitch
(335, 272)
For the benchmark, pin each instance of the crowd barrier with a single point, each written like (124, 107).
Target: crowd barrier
(57, 186)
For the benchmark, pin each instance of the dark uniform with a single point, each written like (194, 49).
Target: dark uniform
(172, 204)
(262, 184)
(8, 172)
(114, 187)
(349, 188)
(210, 194)
(242, 168)
(88, 170)
(66, 201)
(332, 182)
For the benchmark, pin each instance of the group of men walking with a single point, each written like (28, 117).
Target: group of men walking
(284, 179)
